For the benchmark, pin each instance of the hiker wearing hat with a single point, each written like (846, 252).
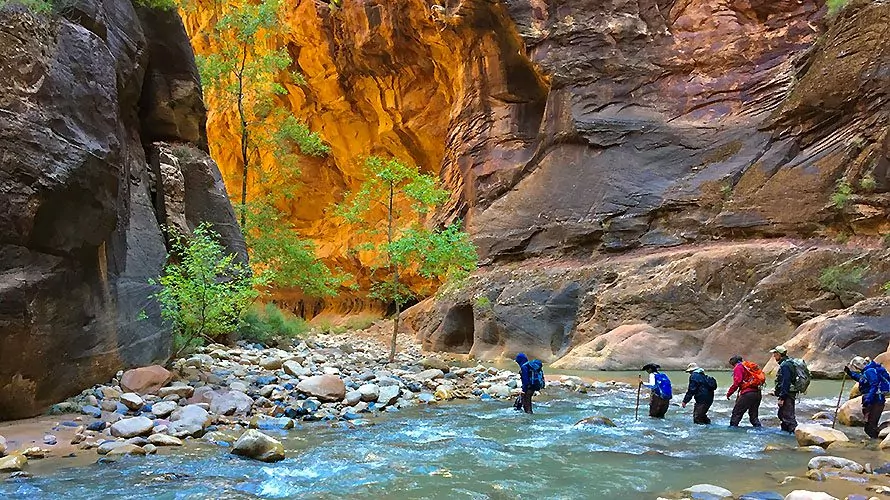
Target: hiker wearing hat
(748, 378)
(785, 388)
(702, 388)
(660, 385)
(874, 383)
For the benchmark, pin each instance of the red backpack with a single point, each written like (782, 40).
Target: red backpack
(754, 377)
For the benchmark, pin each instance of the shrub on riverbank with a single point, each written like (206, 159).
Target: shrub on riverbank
(266, 324)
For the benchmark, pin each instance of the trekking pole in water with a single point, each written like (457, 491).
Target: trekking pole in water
(639, 388)
(839, 396)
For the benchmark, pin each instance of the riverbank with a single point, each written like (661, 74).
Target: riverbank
(216, 395)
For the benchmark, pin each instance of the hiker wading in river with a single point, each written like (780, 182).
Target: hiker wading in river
(747, 378)
(532, 376)
(660, 385)
(785, 388)
(874, 383)
(701, 387)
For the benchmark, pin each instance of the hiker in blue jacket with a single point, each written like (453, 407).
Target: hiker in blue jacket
(532, 380)
(661, 395)
(701, 387)
(874, 381)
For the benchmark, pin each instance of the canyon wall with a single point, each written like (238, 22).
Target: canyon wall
(746, 138)
(102, 143)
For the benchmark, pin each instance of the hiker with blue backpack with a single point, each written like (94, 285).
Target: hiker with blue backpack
(661, 395)
(532, 375)
(874, 383)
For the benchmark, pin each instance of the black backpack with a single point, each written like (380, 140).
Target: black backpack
(712, 382)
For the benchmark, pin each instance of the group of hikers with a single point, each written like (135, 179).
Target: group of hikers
(748, 379)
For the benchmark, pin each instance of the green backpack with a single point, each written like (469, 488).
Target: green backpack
(801, 381)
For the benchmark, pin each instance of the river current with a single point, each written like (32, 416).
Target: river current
(466, 450)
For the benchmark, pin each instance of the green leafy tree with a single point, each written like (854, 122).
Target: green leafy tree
(841, 280)
(244, 76)
(204, 292)
(442, 254)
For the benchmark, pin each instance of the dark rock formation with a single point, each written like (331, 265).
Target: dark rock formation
(79, 226)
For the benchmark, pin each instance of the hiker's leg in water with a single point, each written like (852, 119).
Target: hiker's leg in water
(527, 401)
(738, 411)
(754, 399)
(700, 413)
(658, 407)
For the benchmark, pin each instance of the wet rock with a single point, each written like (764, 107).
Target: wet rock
(597, 420)
(258, 446)
(264, 422)
(126, 449)
(762, 495)
(130, 427)
(369, 392)
(97, 426)
(708, 490)
(388, 395)
(830, 462)
(231, 403)
(13, 463)
(809, 495)
(163, 408)
(819, 435)
(146, 380)
(850, 413)
(132, 401)
(323, 387)
(816, 475)
(190, 420)
(50, 440)
(164, 440)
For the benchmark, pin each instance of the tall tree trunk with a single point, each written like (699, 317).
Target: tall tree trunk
(245, 159)
(395, 280)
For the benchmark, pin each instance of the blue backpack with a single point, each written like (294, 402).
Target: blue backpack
(536, 374)
(663, 386)
(884, 380)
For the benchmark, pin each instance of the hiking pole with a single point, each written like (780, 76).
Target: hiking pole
(639, 388)
(838, 406)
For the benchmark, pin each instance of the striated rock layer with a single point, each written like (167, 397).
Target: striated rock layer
(83, 102)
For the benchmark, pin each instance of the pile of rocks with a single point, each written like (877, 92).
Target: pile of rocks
(222, 389)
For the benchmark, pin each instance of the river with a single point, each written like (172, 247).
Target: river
(469, 449)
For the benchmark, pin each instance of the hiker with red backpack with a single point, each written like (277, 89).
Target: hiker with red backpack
(874, 383)
(748, 379)
(532, 375)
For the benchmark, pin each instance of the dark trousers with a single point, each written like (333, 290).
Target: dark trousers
(700, 413)
(749, 403)
(872, 415)
(524, 402)
(786, 414)
(658, 407)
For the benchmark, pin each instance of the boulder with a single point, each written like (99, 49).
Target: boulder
(499, 390)
(708, 490)
(190, 420)
(258, 446)
(850, 413)
(369, 392)
(132, 401)
(819, 435)
(131, 427)
(164, 440)
(107, 446)
(388, 395)
(809, 495)
(163, 408)
(126, 449)
(231, 403)
(146, 380)
(13, 463)
(434, 363)
(830, 462)
(597, 420)
(324, 387)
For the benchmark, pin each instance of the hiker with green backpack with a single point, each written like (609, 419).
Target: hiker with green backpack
(532, 375)
(792, 379)
(701, 387)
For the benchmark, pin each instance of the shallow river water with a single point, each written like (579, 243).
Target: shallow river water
(479, 449)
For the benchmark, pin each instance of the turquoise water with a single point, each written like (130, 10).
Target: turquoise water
(471, 450)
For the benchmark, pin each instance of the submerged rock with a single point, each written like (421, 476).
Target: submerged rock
(819, 435)
(258, 446)
(597, 420)
(762, 495)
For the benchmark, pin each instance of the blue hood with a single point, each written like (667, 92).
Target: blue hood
(521, 359)
(871, 364)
